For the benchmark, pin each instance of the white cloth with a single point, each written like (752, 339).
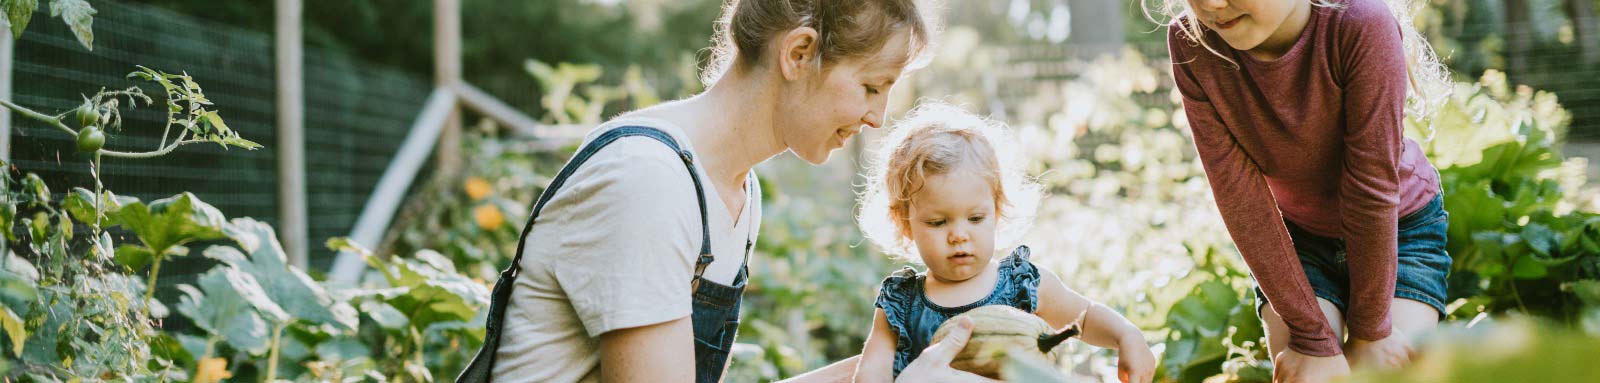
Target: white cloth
(615, 248)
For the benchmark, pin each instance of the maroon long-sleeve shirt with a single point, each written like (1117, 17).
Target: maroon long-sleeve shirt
(1314, 137)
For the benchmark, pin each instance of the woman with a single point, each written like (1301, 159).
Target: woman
(613, 286)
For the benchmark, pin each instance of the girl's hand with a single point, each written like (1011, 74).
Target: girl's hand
(1392, 352)
(1135, 362)
(934, 363)
(1293, 367)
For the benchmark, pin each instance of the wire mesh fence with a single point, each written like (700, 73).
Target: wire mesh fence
(356, 115)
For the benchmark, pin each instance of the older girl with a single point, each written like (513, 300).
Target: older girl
(1297, 111)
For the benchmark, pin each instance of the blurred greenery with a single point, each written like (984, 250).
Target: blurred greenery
(1130, 220)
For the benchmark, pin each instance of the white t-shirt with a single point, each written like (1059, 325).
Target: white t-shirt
(615, 248)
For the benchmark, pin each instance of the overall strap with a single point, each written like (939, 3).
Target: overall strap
(481, 368)
(594, 147)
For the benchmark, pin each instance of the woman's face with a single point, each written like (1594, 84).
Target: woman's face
(1244, 24)
(828, 107)
(952, 222)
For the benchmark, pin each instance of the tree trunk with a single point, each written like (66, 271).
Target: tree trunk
(1096, 27)
(1583, 27)
(1519, 39)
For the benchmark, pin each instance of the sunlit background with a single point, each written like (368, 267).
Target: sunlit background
(1085, 84)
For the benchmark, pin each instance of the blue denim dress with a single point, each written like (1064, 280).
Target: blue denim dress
(914, 318)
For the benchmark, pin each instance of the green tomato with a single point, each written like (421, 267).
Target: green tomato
(90, 139)
(88, 115)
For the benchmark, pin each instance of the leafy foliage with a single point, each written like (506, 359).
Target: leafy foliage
(73, 310)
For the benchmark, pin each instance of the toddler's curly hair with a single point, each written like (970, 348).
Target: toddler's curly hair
(935, 139)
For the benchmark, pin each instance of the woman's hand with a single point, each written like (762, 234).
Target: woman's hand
(1391, 352)
(934, 364)
(1135, 362)
(1293, 367)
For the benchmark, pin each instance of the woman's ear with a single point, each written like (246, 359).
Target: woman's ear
(798, 51)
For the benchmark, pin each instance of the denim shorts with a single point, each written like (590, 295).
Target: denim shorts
(1419, 275)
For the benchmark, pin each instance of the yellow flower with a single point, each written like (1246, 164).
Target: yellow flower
(478, 188)
(488, 216)
(212, 370)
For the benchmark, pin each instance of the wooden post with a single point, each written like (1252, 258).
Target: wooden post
(291, 134)
(6, 52)
(447, 73)
(1096, 27)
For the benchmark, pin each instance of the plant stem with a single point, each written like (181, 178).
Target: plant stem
(29, 113)
(1515, 294)
(56, 122)
(272, 356)
(150, 289)
(416, 337)
(157, 153)
(99, 204)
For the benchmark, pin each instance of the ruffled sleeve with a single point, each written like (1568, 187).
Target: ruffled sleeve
(1024, 278)
(895, 297)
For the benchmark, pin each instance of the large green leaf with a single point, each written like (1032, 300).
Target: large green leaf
(1540, 238)
(1513, 159)
(218, 308)
(19, 283)
(34, 188)
(8, 219)
(167, 347)
(171, 221)
(434, 293)
(1198, 322)
(17, 14)
(14, 330)
(385, 315)
(299, 295)
(1205, 310)
(135, 257)
(1587, 291)
(45, 345)
(80, 203)
(79, 17)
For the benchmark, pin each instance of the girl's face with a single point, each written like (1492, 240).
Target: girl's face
(952, 222)
(825, 112)
(1251, 24)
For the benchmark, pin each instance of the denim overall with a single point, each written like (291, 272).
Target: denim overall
(716, 306)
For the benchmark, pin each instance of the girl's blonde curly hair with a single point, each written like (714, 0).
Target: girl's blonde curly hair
(936, 139)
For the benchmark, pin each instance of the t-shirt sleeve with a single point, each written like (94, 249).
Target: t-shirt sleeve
(631, 232)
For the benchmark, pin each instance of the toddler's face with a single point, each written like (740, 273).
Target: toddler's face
(952, 222)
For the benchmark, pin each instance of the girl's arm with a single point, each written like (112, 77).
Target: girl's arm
(1251, 214)
(1374, 110)
(877, 358)
(1060, 306)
